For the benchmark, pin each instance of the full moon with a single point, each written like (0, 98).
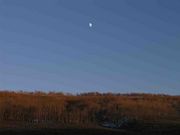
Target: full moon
(90, 25)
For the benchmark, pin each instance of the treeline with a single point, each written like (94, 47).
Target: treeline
(86, 108)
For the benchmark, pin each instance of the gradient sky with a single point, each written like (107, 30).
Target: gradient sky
(133, 46)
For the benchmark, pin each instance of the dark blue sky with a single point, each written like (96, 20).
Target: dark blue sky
(133, 46)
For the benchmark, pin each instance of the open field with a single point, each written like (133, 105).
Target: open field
(89, 113)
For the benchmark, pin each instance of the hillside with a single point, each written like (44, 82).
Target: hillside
(131, 112)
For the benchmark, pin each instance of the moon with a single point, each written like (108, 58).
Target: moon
(90, 24)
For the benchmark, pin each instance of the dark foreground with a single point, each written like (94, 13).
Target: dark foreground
(19, 128)
(87, 132)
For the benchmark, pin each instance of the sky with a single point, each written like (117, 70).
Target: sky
(132, 46)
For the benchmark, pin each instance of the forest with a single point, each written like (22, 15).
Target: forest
(87, 109)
